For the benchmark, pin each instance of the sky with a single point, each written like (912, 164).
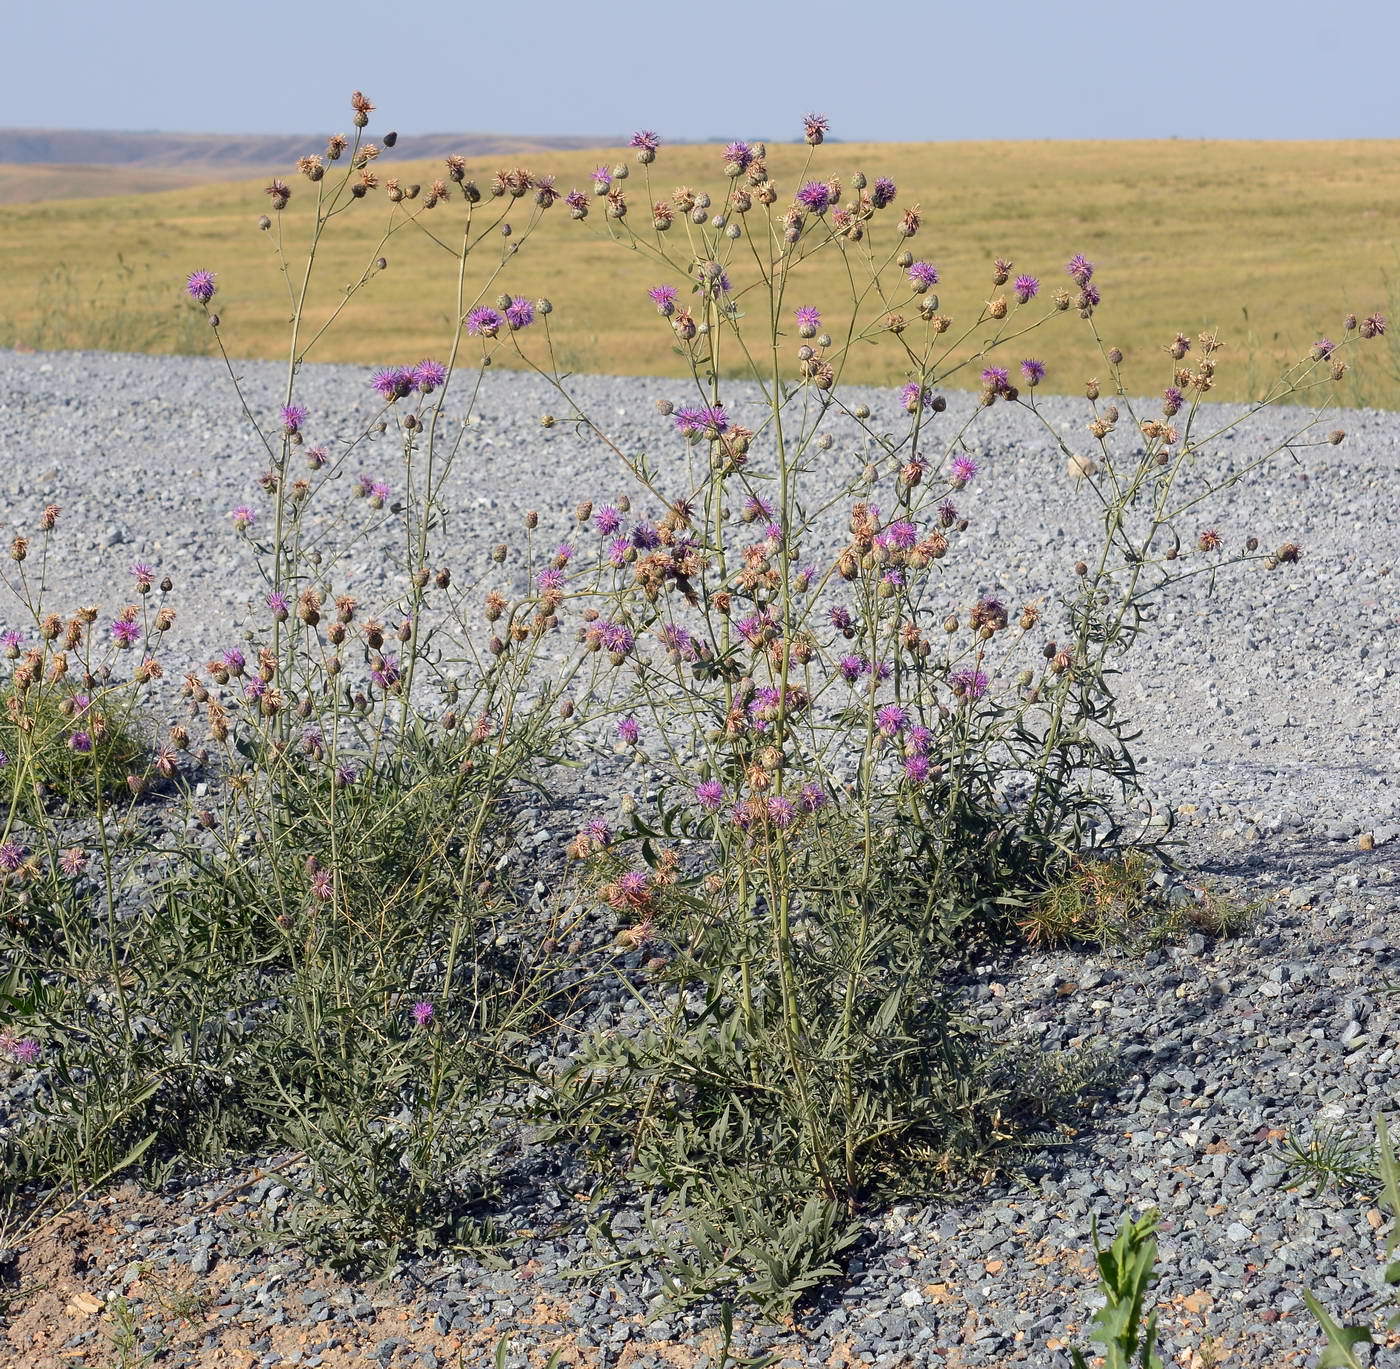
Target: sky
(888, 70)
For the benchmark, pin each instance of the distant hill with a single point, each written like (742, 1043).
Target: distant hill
(240, 153)
(68, 163)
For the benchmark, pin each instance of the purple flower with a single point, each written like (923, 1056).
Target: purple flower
(852, 668)
(678, 640)
(947, 512)
(839, 616)
(914, 397)
(664, 297)
(11, 856)
(428, 376)
(710, 421)
(11, 639)
(773, 532)
(1089, 296)
(346, 775)
(601, 177)
(394, 382)
(1323, 348)
(520, 313)
(995, 378)
(234, 661)
(920, 739)
(607, 520)
(710, 795)
(923, 275)
(645, 139)
(577, 201)
(765, 706)
(628, 730)
(254, 689)
(814, 126)
(781, 812)
(81, 742)
(142, 574)
(615, 637)
(882, 193)
(1026, 288)
(809, 319)
(902, 534)
(813, 798)
(1033, 371)
(280, 605)
(645, 537)
(963, 469)
(970, 683)
(891, 719)
(484, 322)
(200, 286)
(756, 505)
(816, 196)
(618, 549)
(1079, 270)
(740, 153)
(243, 517)
(126, 633)
(550, 579)
(23, 1050)
(422, 1013)
(916, 768)
(293, 416)
(386, 673)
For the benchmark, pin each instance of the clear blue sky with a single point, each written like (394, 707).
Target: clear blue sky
(892, 70)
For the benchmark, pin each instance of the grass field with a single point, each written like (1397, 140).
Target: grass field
(1270, 242)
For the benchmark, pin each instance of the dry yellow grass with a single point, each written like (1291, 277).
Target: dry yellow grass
(1270, 242)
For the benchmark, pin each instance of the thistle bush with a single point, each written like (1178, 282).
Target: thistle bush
(855, 762)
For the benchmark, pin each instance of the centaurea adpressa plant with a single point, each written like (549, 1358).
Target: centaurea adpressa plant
(852, 761)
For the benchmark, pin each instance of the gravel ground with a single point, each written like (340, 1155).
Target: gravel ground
(1268, 711)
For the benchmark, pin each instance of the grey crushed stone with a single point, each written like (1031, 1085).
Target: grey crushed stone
(1268, 710)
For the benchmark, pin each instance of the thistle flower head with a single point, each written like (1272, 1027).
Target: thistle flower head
(781, 812)
(422, 1013)
(814, 128)
(962, 469)
(1033, 371)
(1079, 269)
(923, 275)
(1026, 288)
(200, 286)
(520, 313)
(995, 378)
(916, 768)
(969, 682)
(816, 196)
(809, 319)
(126, 633)
(710, 795)
(882, 193)
(484, 321)
(645, 139)
(394, 382)
(293, 416)
(739, 154)
(607, 520)
(664, 297)
(428, 376)
(891, 719)
(628, 730)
